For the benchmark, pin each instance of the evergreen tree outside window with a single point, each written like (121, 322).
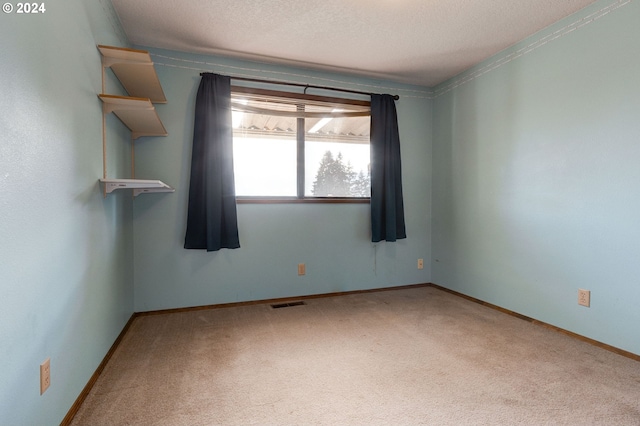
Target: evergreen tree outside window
(334, 178)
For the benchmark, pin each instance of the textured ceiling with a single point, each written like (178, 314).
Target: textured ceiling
(421, 42)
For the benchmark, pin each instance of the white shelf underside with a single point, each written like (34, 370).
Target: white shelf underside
(139, 186)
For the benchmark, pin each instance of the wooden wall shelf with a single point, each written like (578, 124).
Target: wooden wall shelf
(138, 114)
(136, 72)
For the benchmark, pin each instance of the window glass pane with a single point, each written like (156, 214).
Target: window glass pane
(337, 157)
(264, 155)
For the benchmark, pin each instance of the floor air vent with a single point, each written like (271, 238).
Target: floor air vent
(286, 305)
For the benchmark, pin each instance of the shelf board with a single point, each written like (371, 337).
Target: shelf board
(139, 186)
(135, 71)
(138, 114)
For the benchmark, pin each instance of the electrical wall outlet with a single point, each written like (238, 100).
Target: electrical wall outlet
(420, 264)
(584, 297)
(302, 269)
(45, 375)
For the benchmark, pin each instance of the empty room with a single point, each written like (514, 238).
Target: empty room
(338, 212)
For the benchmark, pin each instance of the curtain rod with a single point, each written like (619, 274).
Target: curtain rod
(306, 86)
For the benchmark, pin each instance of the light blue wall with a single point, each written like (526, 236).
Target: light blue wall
(534, 195)
(332, 239)
(66, 275)
(536, 176)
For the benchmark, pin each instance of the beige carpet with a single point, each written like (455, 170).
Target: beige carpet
(401, 357)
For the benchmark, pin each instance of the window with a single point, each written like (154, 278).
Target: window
(293, 147)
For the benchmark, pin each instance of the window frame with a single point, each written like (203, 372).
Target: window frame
(300, 148)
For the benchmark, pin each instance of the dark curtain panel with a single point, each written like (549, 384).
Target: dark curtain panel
(211, 218)
(387, 209)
